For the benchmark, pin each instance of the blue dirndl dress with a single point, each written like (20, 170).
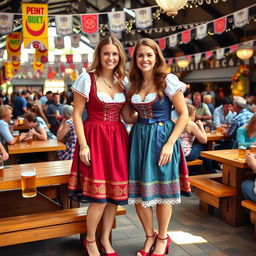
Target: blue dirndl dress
(150, 184)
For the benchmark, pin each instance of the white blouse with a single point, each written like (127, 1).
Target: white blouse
(82, 85)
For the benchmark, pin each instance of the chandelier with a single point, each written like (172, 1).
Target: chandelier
(244, 52)
(171, 7)
(183, 62)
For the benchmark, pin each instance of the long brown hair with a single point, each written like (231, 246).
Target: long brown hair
(119, 70)
(159, 73)
(37, 109)
(251, 123)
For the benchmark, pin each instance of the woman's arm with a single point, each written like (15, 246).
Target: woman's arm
(197, 129)
(79, 103)
(41, 134)
(181, 109)
(241, 137)
(63, 130)
(128, 114)
(5, 155)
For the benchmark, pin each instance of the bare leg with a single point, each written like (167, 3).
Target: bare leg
(107, 223)
(163, 213)
(94, 214)
(146, 218)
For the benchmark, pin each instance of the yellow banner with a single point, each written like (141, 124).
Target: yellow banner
(15, 65)
(38, 67)
(35, 24)
(41, 55)
(13, 46)
(8, 70)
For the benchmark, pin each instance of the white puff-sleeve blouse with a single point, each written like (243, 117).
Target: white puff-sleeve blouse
(173, 85)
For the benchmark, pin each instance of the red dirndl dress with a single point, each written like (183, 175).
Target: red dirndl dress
(106, 180)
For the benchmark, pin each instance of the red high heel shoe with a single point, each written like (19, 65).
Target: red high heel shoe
(167, 247)
(85, 248)
(143, 253)
(103, 250)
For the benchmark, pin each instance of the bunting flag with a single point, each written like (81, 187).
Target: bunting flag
(241, 17)
(35, 24)
(208, 55)
(41, 55)
(6, 23)
(94, 39)
(69, 58)
(13, 46)
(15, 66)
(220, 25)
(130, 51)
(75, 40)
(59, 42)
(198, 57)
(232, 48)
(201, 31)
(38, 67)
(220, 53)
(173, 40)
(90, 23)
(64, 25)
(143, 17)
(162, 43)
(57, 58)
(186, 36)
(116, 21)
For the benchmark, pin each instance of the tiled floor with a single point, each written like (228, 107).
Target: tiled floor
(192, 231)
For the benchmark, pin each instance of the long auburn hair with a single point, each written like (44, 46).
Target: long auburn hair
(159, 73)
(251, 123)
(119, 70)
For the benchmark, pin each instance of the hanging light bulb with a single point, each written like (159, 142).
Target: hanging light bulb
(183, 62)
(244, 52)
(171, 7)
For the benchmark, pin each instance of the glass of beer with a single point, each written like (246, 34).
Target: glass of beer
(16, 134)
(29, 140)
(253, 148)
(241, 151)
(20, 120)
(28, 182)
(218, 129)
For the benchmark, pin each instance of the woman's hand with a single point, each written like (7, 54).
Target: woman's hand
(251, 161)
(85, 156)
(22, 136)
(200, 124)
(166, 154)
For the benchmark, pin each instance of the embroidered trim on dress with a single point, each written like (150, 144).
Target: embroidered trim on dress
(154, 201)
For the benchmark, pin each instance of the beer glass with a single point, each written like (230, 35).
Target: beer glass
(241, 151)
(28, 182)
(253, 148)
(20, 120)
(16, 134)
(218, 129)
(29, 140)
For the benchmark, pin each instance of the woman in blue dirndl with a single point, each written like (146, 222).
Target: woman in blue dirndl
(156, 157)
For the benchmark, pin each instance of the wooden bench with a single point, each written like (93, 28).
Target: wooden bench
(214, 176)
(40, 226)
(252, 207)
(195, 162)
(211, 193)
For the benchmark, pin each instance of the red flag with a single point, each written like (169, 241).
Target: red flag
(208, 55)
(233, 47)
(130, 51)
(90, 23)
(186, 36)
(220, 25)
(162, 43)
(69, 58)
(86, 65)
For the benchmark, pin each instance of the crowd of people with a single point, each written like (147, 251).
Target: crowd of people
(109, 168)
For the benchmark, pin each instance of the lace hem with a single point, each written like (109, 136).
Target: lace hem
(154, 201)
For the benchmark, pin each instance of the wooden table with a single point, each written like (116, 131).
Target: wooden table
(49, 176)
(234, 172)
(37, 146)
(212, 137)
(20, 127)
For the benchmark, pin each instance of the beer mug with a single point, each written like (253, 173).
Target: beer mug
(253, 148)
(218, 129)
(20, 120)
(16, 134)
(241, 151)
(29, 140)
(28, 182)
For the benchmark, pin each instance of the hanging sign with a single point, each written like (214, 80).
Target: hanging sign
(143, 17)
(6, 23)
(35, 24)
(186, 36)
(64, 24)
(241, 18)
(90, 23)
(116, 21)
(220, 25)
(41, 55)
(75, 40)
(13, 45)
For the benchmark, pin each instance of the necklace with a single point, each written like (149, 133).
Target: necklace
(108, 85)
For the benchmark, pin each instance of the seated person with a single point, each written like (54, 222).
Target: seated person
(5, 118)
(37, 109)
(249, 186)
(207, 99)
(195, 130)
(66, 134)
(37, 128)
(247, 133)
